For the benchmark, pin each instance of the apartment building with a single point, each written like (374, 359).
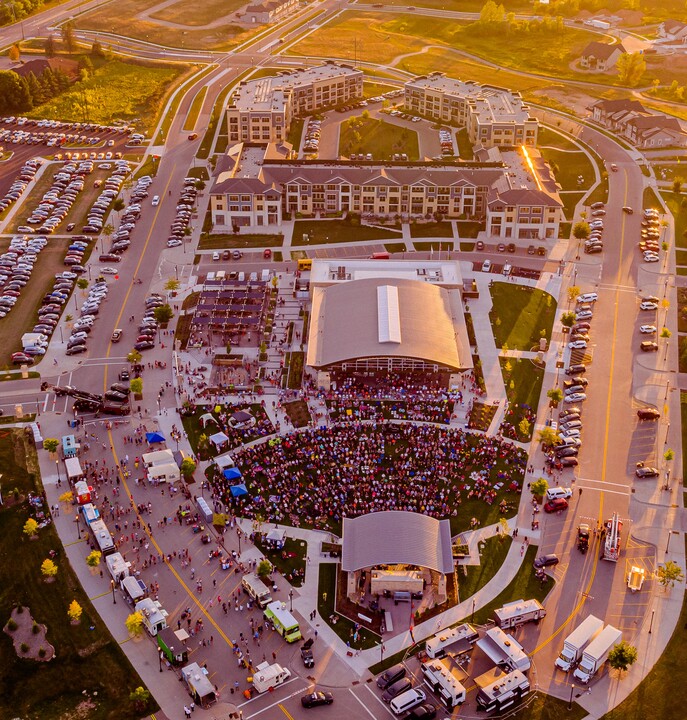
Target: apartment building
(270, 11)
(493, 116)
(261, 110)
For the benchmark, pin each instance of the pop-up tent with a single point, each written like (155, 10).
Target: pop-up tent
(238, 490)
(232, 473)
(154, 437)
(207, 418)
(218, 439)
(241, 419)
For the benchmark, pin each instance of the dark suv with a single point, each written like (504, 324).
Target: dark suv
(648, 414)
(390, 676)
(546, 561)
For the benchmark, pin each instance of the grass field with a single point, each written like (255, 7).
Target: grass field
(89, 666)
(291, 558)
(523, 387)
(295, 133)
(115, 91)
(432, 229)
(519, 314)
(567, 166)
(675, 205)
(382, 139)
(322, 232)
(194, 110)
(202, 14)
(206, 144)
(222, 242)
(477, 576)
(23, 316)
(178, 97)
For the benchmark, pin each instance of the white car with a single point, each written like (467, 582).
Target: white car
(174, 242)
(649, 258)
(587, 298)
(156, 200)
(584, 315)
(646, 305)
(575, 397)
(573, 432)
(109, 271)
(647, 329)
(596, 224)
(577, 345)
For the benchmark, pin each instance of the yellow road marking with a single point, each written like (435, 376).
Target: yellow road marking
(285, 711)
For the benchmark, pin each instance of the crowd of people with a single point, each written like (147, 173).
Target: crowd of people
(318, 476)
(240, 433)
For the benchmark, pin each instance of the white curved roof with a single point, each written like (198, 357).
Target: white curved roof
(396, 537)
(382, 317)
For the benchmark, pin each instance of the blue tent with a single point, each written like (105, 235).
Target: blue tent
(238, 490)
(232, 473)
(154, 437)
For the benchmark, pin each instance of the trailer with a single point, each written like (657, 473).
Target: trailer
(73, 468)
(596, 653)
(519, 612)
(454, 641)
(117, 566)
(153, 614)
(84, 492)
(256, 589)
(267, 677)
(172, 647)
(102, 537)
(444, 677)
(198, 685)
(498, 690)
(611, 531)
(70, 447)
(157, 457)
(504, 650)
(134, 590)
(577, 641)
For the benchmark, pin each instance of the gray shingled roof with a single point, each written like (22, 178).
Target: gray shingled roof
(396, 537)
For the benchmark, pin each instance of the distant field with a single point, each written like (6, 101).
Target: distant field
(116, 90)
(203, 13)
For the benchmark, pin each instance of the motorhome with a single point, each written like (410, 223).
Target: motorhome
(519, 612)
(498, 690)
(454, 641)
(504, 650)
(444, 678)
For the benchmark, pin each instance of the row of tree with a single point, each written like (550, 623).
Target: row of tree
(21, 94)
(15, 10)
(494, 19)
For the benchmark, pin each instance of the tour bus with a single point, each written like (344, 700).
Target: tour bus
(284, 622)
(102, 536)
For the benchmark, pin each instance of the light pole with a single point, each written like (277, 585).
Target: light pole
(381, 651)
(472, 619)
(670, 532)
(291, 600)
(572, 690)
(160, 658)
(57, 465)
(651, 624)
(112, 585)
(78, 527)
(238, 533)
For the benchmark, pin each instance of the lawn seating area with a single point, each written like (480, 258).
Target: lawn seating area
(521, 315)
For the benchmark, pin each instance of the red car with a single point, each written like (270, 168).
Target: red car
(555, 505)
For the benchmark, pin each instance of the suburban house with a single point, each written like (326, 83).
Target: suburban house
(631, 120)
(250, 190)
(599, 57)
(269, 11)
(672, 31)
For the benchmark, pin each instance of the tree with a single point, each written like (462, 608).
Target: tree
(188, 467)
(503, 528)
(82, 283)
(491, 13)
(525, 427)
(48, 568)
(172, 284)
(93, 559)
(555, 395)
(136, 385)
(573, 292)
(118, 205)
(67, 497)
(539, 487)
(51, 444)
(140, 697)
(264, 568)
(568, 319)
(49, 46)
(134, 357)
(67, 32)
(665, 333)
(631, 67)
(581, 230)
(14, 53)
(31, 528)
(677, 186)
(75, 611)
(164, 314)
(668, 574)
(548, 436)
(622, 656)
(14, 93)
(97, 49)
(669, 455)
(134, 624)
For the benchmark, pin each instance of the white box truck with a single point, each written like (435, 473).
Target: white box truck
(456, 641)
(504, 650)
(577, 641)
(256, 589)
(268, 676)
(519, 612)
(596, 653)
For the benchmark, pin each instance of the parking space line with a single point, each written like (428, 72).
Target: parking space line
(367, 710)
(367, 687)
(274, 704)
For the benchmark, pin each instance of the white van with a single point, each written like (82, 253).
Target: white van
(507, 269)
(242, 277)
(265, 275)
(407, 701)
(253, 277)
(486, 266)
(558, 492)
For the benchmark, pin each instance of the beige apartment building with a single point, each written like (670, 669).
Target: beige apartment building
(260, 111)
(493, 116)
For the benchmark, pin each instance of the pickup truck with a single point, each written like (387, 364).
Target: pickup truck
(117, 335)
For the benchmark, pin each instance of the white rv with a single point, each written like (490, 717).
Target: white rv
(504, 650)
(454, 641)
(444, 678)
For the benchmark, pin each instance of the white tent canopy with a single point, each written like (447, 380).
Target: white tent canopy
(218, 439)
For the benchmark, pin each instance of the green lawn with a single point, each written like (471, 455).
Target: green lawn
(547, 707)
(469, 228)
(203, 13)
(395, 247)
(477, 576)
(253, 240)
(432, 229)
(550, 138)
(295, 133)
(570, 200)
(683, 415)
(89, 665)
(206, 143)
(295, 370)
(567, 166)
(436, 245)
(194, 110)
(464, 144)
(321, 232)
(523, 387)
(382, 139)
(674, 203)
(116, 90)
(523, 585)
(519, 315)
(291, 558)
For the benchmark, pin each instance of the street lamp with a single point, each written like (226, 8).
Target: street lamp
(78, 527)
(381, 652)
(291, 600)
(651, 624)
(238, 533)
(572, 690)
(472, 619)
(112, 585)
(160, 658)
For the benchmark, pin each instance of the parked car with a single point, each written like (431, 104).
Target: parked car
(544, 561)
(646, 472)
(648, 414)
